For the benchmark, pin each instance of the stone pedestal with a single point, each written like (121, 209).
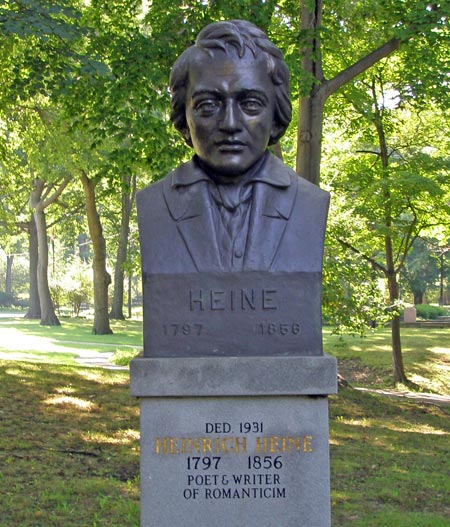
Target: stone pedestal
(410, 315)
(234, 441)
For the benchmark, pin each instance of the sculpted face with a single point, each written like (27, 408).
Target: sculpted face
(229, 111)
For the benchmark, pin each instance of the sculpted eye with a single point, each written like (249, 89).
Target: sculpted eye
(252, 105)
(207, 106)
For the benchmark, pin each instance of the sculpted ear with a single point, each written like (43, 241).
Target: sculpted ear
(187, 136)
(276, 132)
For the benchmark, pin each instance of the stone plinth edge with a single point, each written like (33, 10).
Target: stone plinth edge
(233, 376)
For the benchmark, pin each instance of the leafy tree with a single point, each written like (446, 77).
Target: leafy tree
(391, 187)
(110, 80)
(48, 54)
(333, 33)
(74, 284)
(421, 269)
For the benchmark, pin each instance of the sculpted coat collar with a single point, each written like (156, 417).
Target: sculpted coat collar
(186, 195)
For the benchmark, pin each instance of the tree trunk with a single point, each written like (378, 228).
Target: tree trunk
(418, 297)
(128, 195)
(130, 296)
(102, 279)
(311, 107)
(34, 309)
(397, 357)
(391, 273)
(441, 278)
(310, 117)
(8, 275)
(40, 199)
(48, 315)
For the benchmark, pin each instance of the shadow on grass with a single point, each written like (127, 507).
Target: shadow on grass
(388, 462)
(70, 455)
(64, 432)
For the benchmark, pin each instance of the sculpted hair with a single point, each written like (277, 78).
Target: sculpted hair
(238, 35)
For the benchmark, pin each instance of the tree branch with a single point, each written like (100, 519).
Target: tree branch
(57, 192)
(364, 256)
(332, 85)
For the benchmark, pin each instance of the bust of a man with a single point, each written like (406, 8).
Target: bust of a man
(234, 206)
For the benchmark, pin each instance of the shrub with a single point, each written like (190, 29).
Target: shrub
(430, 312)
(123, 357)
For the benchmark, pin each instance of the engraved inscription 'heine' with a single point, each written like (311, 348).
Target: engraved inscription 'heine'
(233, 300)
(283, 444)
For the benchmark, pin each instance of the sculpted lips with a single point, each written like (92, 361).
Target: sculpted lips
(230, 145)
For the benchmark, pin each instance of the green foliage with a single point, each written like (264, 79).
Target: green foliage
(84, 88)
(352, 299)
(45, 47)
(123, 357)
(380, 200)
(73, 286)
(421, 268)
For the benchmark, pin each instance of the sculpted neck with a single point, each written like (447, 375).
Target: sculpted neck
(240, 179)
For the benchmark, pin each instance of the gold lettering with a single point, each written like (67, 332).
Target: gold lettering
(201, 445)
(274, 444)
(283, 444)
(241, 442)
(307, 444)
(194, 445)
(206, 445)
(222, 445)
(173, 445)
(295, 442)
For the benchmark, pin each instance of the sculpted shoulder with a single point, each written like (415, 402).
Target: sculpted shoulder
(151, 191)
(305, 187)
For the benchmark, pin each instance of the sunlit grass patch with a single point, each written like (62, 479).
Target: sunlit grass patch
(64, 400)
(122, 437)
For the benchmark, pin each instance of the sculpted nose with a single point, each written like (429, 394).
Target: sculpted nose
(230, 121)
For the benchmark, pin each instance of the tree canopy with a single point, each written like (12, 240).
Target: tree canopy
(84, 99)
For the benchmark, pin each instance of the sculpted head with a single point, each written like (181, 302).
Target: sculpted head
(230, 95)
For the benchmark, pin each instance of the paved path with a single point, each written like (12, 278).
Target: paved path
(97, 358)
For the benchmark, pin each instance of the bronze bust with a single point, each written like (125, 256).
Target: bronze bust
(234, 206)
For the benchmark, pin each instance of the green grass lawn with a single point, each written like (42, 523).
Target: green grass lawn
(69, 435)
(367, 361)
(25, 339)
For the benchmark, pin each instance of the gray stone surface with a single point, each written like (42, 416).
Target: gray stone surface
(235, 462)
(233, 376)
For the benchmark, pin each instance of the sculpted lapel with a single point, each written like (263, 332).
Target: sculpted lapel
(190, 208)
(271, 209)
